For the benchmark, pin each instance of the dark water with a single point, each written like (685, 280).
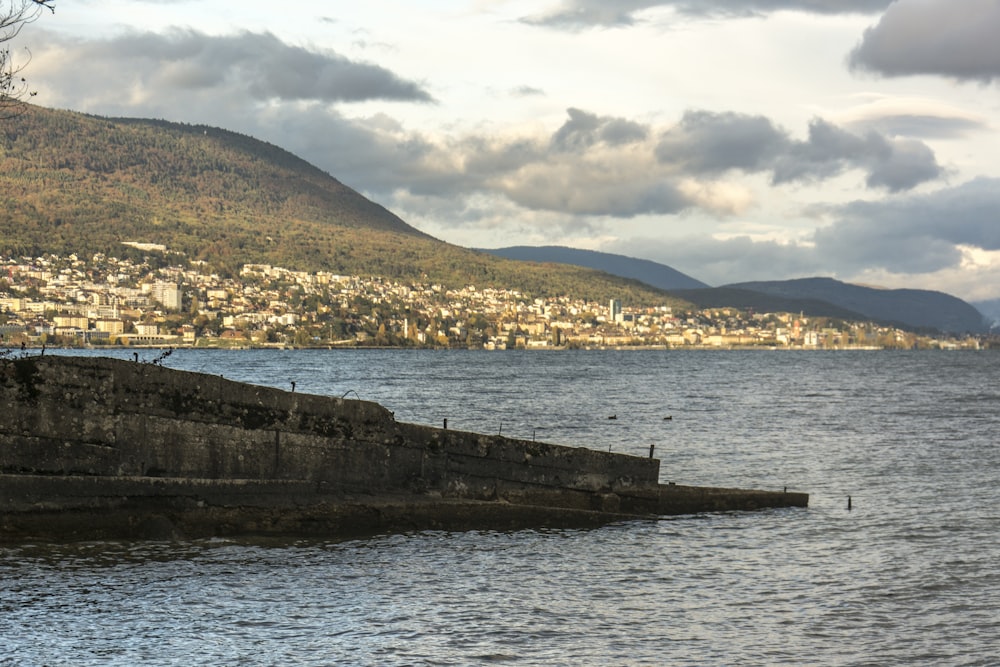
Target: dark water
(909, 576)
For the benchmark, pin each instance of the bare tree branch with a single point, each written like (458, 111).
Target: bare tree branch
(14, 15)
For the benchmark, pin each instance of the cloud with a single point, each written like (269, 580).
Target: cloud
(928, 126)
(724, 261)
(929, 241)
(588, 13)
(254, 66)
(610, 166)
(909, 116)
(954, 40)
(592, 166)
(583, 130)
(576, 14)
(706, 142)
(917, 233)
(526, 91)
(894, 164)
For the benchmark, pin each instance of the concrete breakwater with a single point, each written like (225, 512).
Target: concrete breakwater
(94, 448)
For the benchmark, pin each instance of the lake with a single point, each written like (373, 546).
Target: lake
(907, 576)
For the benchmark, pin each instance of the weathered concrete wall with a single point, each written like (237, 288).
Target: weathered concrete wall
(111, 447)
(107, 417)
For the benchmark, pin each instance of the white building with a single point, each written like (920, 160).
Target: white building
(615, 311)
(167, 294)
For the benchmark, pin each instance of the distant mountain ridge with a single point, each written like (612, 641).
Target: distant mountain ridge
(745, 299)
(990, 310)
(920, 309)
(818, 297)
(652, 273)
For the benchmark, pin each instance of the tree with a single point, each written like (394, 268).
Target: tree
(14, 15)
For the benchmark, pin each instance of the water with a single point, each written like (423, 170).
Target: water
(906, 577)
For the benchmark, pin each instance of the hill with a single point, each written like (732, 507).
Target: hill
(75, 183)
(818, 297)
(652, 273)
(746, 299)
(990, 310)
(909, 308)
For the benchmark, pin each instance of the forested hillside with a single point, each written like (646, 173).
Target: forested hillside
(73, 183)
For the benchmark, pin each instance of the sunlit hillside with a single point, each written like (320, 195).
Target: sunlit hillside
(74, 183)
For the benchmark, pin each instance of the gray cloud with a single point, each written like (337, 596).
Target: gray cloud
(723, 261)
(956, 40)
(584, 129)
(756, 7)
(921, 237)
(899, 164)
(587, 193)
(567, 172)
(587, 13)
(918, 233)
(609, 166)
(895, 164)
(593, 165)
(257, 66)
(706, 142)
(576, 14)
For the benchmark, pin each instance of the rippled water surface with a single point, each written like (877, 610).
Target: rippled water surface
(908, 576)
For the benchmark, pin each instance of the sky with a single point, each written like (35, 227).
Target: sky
(732, 140)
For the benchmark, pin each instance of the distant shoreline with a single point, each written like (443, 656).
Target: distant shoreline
(617, 348)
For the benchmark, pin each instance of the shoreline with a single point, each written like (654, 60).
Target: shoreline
(617, 348)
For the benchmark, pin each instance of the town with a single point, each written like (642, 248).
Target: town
(151, 297)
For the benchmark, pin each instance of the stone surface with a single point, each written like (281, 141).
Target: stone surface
(98, 447)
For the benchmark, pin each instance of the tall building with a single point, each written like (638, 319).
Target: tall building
(166, 294)
(615, 311)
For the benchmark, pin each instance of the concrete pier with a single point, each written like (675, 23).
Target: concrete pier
(95, 448)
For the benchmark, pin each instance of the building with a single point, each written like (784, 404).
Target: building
(614, 310)
(166, 294)
(71, 322)
(110, 326)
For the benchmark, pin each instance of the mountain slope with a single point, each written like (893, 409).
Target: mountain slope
(919, 309)
(990, 310)
(761, 302)
(644, 270)
(74, 183)
(818, 297)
